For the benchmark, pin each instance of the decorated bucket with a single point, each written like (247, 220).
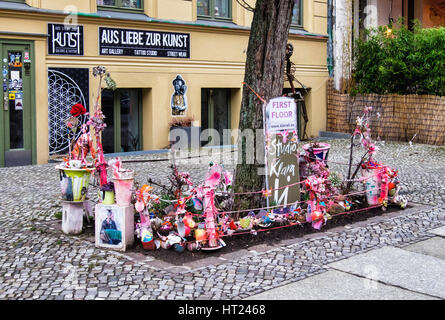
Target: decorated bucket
(107, 197)
(321, 153)
(74, 183)
(147, 239)
(373, 185)
(123, 188)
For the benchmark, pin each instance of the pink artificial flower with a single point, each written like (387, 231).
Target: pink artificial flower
(372, 148)
(284, 134)
(267, 192)
(213, 179)
(228, 178)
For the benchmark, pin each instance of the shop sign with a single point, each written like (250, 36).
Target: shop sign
(282, 162)
(143, 43)
(65, 39)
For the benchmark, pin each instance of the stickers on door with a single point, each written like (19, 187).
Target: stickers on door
(18, 104)
(16, 81)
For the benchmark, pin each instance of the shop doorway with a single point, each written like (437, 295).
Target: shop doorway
(123, 116)
(215, 114)
(17, 137)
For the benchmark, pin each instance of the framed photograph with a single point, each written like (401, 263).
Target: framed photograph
(109, 227)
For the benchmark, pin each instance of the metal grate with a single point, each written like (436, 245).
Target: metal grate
(63, 93)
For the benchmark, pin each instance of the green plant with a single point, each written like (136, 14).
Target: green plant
(58, 215)
(401, 61)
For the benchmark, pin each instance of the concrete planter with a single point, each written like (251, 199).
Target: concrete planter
(186, 137)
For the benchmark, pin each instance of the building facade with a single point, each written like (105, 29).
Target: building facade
(169, 58)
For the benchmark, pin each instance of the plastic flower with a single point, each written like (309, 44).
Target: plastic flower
(77, 110)
(213, 177)
(267, 192)
(228, 178)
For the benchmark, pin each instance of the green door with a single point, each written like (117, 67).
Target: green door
(123, 115)
(17, 106)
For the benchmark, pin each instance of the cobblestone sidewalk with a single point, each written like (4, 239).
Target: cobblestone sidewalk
(36, 263)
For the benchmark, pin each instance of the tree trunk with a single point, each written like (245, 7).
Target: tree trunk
(264, 72)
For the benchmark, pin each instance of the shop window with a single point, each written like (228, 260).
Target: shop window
(120, 4)
(297, 14)
(215, 9)
(123, 116)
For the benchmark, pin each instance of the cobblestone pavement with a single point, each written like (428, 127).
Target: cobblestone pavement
(37, 262)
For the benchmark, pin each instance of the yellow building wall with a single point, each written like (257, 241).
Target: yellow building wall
(217, 61)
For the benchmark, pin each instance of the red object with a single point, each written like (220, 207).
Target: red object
(391, 185)
(77, 110)
(316, 216)
(232, 225)
(150, 245)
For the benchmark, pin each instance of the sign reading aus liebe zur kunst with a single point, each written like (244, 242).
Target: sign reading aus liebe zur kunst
(281, 150)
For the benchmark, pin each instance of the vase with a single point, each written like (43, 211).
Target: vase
(74, 183)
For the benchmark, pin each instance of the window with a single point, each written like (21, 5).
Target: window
(297, 14)
(120, 4)
(215, 9)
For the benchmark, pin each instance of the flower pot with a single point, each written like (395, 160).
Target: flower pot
(123, 189)
(74, 183)
(320, 153)
(185, 137)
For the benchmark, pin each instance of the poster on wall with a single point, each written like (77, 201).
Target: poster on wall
(65, 39)
(143, 43)
(281, 150)
(178, 102)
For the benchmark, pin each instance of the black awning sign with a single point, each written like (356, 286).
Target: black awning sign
(65, 39)
(125, 42)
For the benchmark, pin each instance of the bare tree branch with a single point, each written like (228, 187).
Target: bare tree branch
(245, 5)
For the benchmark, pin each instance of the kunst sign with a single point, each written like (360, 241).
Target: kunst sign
(143, 43)
(281, 150)
(65, 40)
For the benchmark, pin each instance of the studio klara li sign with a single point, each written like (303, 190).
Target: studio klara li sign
(126, 42)
(281, 139)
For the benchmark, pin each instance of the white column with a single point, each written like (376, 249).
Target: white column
(342, 40)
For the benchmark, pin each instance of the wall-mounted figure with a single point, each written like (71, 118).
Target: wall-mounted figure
(179, 98)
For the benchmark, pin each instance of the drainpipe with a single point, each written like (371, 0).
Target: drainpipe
(330, 43)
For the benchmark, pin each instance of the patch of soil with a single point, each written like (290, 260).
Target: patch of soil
(271, 238)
